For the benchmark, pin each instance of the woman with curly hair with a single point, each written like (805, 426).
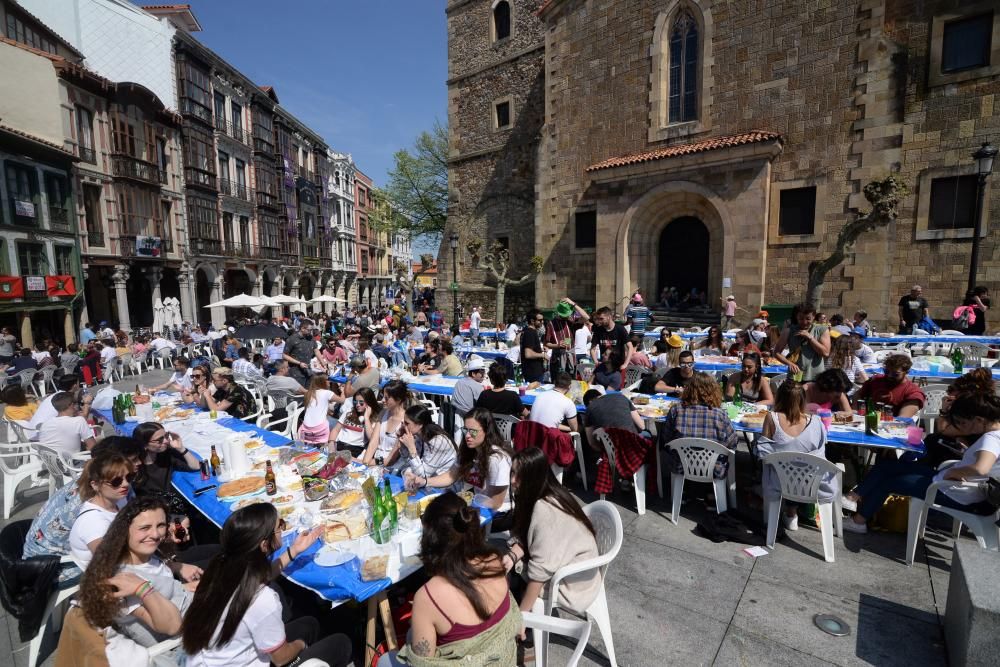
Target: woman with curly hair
(843, 357)
(484, 461)
(355, 427)
(127, 586)
(235, 618)
(699, 414)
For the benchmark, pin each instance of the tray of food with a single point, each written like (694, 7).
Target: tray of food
(339, 501)
(753, 418)
(238, 489)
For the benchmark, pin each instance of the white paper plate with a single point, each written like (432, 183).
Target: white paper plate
(332, 558)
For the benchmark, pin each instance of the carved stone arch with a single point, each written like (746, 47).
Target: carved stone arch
(660, 127)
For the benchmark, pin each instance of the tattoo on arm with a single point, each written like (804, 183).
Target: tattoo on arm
(422, 647)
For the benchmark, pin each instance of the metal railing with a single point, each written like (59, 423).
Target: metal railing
(193, 176)
(95, 239)
(266, 199)
(127, 166)
(234, 189)
(59, 218)
(190, 107)
(87, 154)
(227, 128)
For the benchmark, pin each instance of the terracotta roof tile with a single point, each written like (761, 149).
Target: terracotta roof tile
(45, 142)
(677, 150)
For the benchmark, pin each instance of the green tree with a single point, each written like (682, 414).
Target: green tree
(417, 189)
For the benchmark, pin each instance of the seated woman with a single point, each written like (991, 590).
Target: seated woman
(608, 373)
(700, 415)
(385, 435)
(713, 345)
(16, 405)
(235, 618)
(750, 383)
(842, 357)
(667, 352)
(315, 428)
(103, 487)
(483, 463)
(639, 356)
(497, 399)
(549, 532)
(127, 587)
(829, 391)
(744, 344)
(424, 447)
(789, 428)
(947, 442)
(356, 425)
(464, 613)
(969, 414)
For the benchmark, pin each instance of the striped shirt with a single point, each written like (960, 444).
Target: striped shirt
(640, 318)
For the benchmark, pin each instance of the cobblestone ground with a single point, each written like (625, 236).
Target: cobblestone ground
(677, 598)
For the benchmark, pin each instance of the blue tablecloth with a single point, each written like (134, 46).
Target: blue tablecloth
(332, 583)
(464, 352)
(912, 340)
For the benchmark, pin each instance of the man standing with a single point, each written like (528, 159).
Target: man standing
(609, 335)
(300, 348)
(532, 355)
(729, 313)
(474, 319)
(87, 333)
(912, 309)
(637, 315)
(468, 388)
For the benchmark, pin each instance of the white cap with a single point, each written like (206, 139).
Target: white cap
(475, 363)
(730, 298)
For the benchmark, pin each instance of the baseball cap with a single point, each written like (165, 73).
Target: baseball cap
(475, 363)
(358, 361)
(730, 298)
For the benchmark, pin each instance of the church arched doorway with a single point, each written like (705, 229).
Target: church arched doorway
(684, 255)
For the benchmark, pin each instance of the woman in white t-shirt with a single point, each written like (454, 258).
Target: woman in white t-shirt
(103, 487)
(483, 463)
(357, 422)
(581, 341)
(127, 586)
(969, 414)
(315, 428)
(235, 619)
(384, 440)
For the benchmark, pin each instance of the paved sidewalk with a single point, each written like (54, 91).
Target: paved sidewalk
(679, 599)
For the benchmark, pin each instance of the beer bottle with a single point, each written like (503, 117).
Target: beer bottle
(131, 405)
(390, 504)
(216, 462)
(871, 418)
(270, 483)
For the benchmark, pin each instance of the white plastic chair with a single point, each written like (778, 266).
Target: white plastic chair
(27, 380)
(984, 527)
(974, 354)
(56, 600)
(800, 475)
(933, 395)
(140, 362)
(542, 625)
(698, 457)
(110, 369)
(633, 374)
(18, 431)
(638, 478)
(17, 463)
(289, 424)
(162, 358)
(505, 424)
(610, 534)
(61, 470)
(46, 378)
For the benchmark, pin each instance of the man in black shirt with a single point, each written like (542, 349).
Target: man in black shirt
(532, 355)
(912, 309)
(673, 381)
(499, 400)
(609, 335)
(300, 348)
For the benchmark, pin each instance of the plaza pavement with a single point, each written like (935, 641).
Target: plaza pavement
(679, 599)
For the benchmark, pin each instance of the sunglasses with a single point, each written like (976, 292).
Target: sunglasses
(163, 438)
(197, 375)
(119, 482)
(471, 431)
(687, 364)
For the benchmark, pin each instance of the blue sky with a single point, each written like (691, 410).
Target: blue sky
(367, 75)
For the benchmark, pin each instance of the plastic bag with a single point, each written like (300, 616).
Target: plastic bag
(105, 398)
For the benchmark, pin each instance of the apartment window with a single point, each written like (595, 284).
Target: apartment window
(31, 259)
(57, 192)
(161, 154)
(237, 120)
(223, 165)
(585, 226)
(684, 67)
(92, 215)
(19, 32)
(65, 266)
(263, 132)
(137, 209)
(195, 90)
(4, 261)
(501, 20)
(85, 135)
(953, 202)
(241, 173)
(23, 194)
(220, 110)
(203, 218)
(200, 154)
(245, 231)
(166, 220)
(268, 231)
(966, 43)
(501, 115)
(797, 213)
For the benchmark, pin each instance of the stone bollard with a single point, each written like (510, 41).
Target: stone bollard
(972, 615)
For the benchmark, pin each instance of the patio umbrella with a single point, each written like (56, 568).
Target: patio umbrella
(239, 301)
(171, 312)
(157, 316)
(266, 331)
(285, 300)
(327, 299)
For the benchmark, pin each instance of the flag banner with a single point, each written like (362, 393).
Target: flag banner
(60, 286)
(11, 287)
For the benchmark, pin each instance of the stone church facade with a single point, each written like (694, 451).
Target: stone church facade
(722, 145)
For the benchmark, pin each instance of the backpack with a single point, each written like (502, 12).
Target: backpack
(963, 318)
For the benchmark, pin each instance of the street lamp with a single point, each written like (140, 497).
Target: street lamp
(984, 167)
(453, 242)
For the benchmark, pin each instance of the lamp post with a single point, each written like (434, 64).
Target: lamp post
(453, 241)
(984, 167)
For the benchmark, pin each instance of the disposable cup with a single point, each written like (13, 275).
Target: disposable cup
(914, 435)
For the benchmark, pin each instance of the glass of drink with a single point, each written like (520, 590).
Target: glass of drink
(412, 510)
(887, 412)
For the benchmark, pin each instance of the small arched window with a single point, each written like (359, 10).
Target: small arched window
(501, 20)
(684, 68)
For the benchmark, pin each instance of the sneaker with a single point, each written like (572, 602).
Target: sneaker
(790, 522)
(848, 504)
(852, 526)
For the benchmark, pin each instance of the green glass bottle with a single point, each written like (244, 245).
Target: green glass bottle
(871, 418)
(390, 505)
(378, 517)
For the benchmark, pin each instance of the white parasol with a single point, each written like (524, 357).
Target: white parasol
(327, 299)
(157, 316)
(239, 301)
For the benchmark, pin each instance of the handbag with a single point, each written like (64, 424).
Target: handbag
(894, 515)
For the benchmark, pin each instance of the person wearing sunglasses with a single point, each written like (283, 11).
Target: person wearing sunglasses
(532, 354)
(670, 381)
(180, 380)
(199, 383)
(104, 487)
(355, 427)
(163, 453)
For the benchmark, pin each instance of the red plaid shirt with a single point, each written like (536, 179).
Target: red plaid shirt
(631, 451)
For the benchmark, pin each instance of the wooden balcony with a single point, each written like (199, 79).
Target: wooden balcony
(197, 177)
(132, 168)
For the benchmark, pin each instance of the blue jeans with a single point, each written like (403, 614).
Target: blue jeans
(904, 478)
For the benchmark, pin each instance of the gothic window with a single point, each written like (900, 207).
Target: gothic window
(684, 69)
(501, 20)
